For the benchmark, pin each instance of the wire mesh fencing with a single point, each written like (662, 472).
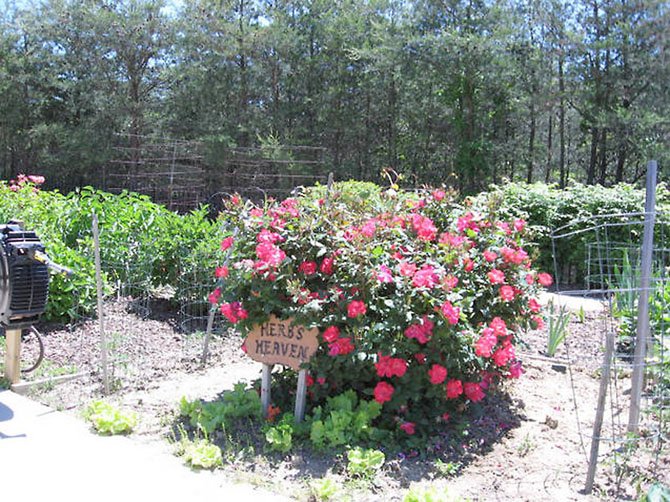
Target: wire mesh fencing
(628, 446)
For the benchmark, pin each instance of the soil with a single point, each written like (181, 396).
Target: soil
(528, 441)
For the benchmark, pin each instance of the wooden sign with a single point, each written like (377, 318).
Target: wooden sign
(279, 342)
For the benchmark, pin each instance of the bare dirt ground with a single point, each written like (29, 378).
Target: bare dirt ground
(529, 441)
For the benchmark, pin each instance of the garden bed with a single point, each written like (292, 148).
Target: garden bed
(523, 442)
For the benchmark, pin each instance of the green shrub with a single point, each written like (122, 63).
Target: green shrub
(548, 208)
(141, 243)
(418, 302)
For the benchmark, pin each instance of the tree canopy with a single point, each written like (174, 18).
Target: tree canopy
(454, 92)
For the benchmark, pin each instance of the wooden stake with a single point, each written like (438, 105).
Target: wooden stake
(643, 328)
(600, 411)
(265, 388)
(301, 396)
(208, 335)
(13, 355)
(101, 317)
(21, 387)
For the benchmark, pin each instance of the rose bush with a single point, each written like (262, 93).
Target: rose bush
(420, 303)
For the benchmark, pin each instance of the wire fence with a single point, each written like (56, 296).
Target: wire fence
(629, 445)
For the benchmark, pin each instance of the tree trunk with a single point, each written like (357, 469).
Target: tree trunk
(244, 91)
(531, 144)
(603, 157)
(593, 159)
(621, 160)
(561, 120)
(547, 172)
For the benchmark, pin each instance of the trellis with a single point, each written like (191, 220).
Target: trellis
(626, 267)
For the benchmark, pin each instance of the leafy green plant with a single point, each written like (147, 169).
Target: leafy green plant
(201, 453)
(236, 404)
(526, 446)
(447, 469)
(108, 419)
(343, 421)
(324, 489)
(557, 327)
(364, 462)
(280, 436)
(657, 492)
(141, 243)
(428, 493)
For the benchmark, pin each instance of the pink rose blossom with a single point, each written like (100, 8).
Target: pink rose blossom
(425, 278)
(407, 269)
(408, 427)
(454, 388)
(384, 274)
(496, 276)
(490, 256)
(451, 314)
(484, 345)
(545, 279)
(356, 308)
(383, 392)
(226, 243)
(507, 293)
(437, 374)
(473, 391)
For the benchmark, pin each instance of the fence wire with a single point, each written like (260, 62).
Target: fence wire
(610, 249)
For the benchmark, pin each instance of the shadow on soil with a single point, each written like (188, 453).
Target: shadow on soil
(446, 453)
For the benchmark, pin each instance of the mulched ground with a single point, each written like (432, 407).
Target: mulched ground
(527, 442)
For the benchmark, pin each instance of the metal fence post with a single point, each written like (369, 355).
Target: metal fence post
(643, 328)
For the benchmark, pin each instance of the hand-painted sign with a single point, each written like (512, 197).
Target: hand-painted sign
(277, 341)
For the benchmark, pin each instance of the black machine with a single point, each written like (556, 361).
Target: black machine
(24, 277)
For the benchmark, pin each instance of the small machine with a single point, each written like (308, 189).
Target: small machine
(24, 290)
(24, 277)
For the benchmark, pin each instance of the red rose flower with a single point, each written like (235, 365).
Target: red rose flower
(408, 427)
(383, 392)
(473, 391)
(545, 279)
(307, 267)
(327, 266)
(356, 308)
(437, 374)
(331, 334)
(226, 243)
(454, 389)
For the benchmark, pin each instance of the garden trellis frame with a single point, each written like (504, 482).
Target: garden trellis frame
(183, 174)
(625, 271)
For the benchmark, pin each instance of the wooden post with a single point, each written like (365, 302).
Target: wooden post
(212, 313)
(208, 335)
(101, 317)
(13, 355)
(643, 328)
(265, 388)
(301, 396)
(600, 411)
